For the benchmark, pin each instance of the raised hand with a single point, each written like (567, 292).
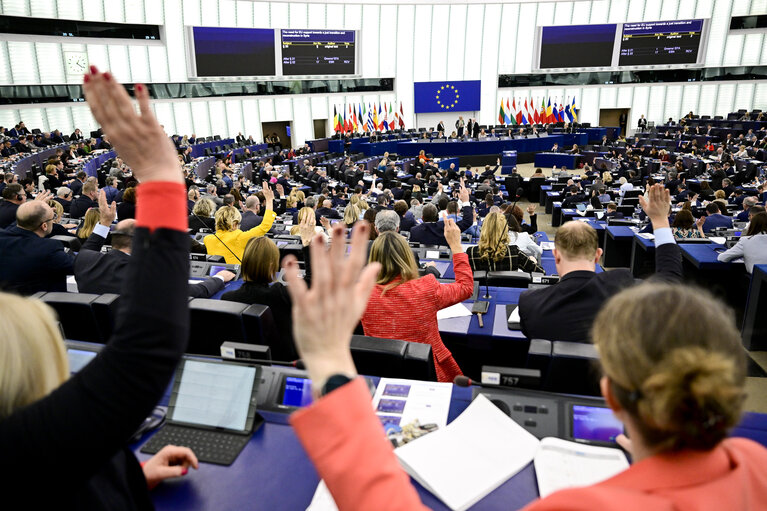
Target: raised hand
(657, 205)
(531, 209)
(268, 193)
(325, 316)
(107, 212)
(138, 138)
(44, 196)
(452, 234)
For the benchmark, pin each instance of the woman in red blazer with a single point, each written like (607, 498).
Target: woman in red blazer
(678, 387)
(403, 306)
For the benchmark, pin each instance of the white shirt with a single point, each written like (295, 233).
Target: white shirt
(525, 243)
(625, 187)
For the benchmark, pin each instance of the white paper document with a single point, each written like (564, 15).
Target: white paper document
(560, 464)
(514, 317)
(483, 438)
(646, 235)
(547, 245)
(721, 240)
(403, 401)
(322, 500)
(454, 311)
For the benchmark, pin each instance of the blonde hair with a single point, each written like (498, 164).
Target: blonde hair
(33, 360)
(291, 201)
(682, 379)
(57, 208)
(351, 214)
(260, 260)
(576, 240)
(90, 220)
(361, 204)
(303, 214)
(719, 194)
(607, 177)
(228, 218)
(393, 252)
(494, 229)
(204, 207)
(298, 195)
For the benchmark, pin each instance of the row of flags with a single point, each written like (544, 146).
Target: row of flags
(361, 117)
(526, 112)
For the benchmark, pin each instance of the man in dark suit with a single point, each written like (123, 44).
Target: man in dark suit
(642, 124)
(475, 129)
(64, 197)
(13, 196)
(32, 263)
(8, 149)
(77, 183)
(715, 219)
(56, 137)
(441, 127)
(431, 231)
(250, 217)
(85, 201)
(566, 310)
(574, 196)
(406, 219)
(104, 273)
(327, 210)
(470, 127)
(622, 122)
(612, 211)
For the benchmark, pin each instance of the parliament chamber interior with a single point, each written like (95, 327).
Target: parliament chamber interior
(368, 255)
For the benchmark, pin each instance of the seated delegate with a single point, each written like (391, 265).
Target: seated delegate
(403, 306)
(260, 264)
(565, 311)
(82, 424)
(228, 240)
(494, 251)
(678, 387)
(752, 247)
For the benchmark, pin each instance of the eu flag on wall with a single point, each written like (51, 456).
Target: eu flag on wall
(447, 96)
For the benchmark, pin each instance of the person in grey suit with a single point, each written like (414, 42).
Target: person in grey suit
(104, 273)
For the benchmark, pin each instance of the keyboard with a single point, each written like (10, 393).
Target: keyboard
(215, 447)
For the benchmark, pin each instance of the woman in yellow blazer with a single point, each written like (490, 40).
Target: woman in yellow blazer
(229, 241)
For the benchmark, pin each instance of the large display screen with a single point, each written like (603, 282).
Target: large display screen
(577, 46)
(233, 51)
(660, 42)
(318, 52)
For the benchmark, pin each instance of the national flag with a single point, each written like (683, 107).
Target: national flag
(335, 119)
(536, 115)
(530, 112)
(380, 118)
(515, 113)
(354, 118)
(568, 113)
(401, 116)
(501, 115)
(509, 115)
(393, 122)
(542, 115)
(561, 113)
(573, 111)
(549, 114)
(371, 127)
(375, 117)
(385, 118)
(524, 113)
(556, 112)
(363, 114)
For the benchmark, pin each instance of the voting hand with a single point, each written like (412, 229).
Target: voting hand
(107, 212)
(452, 234)
(138, 138)
(657, 205)
(325, 315)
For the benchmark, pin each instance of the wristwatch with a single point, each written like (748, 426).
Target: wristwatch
(332, 383)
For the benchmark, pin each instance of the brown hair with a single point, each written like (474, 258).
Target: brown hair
(89, 187)
(397, 261)
(260, 261)
(683, 219)
(576, 240)
(682, 380)
(129, 195)
(758, 224)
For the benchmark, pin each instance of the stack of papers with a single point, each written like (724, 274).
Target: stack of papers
(454, 311)
(560, 464)
(401, 402)
(483, 438)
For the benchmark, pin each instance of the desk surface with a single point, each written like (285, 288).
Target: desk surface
(703, 256)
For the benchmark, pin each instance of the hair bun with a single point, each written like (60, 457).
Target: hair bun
(693, 398)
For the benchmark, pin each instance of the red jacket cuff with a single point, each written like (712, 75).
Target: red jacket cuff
(162, 205)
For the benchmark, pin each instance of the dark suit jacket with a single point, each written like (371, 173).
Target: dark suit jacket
(328, 213)
(407, 222)
(197, 223)
(250, 220)
(432, 233)
(566, 310)
(80, 205)
(7, 213)
(105, 273)
(126, 210)
(32, 264)
(64, 203)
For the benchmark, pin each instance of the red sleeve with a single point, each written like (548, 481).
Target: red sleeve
(450, 294)
(162, 205)
(346, 443)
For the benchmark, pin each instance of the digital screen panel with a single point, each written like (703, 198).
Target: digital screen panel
(297, 392)
(318, 52)
(233, 51)
(596, 424)
(577, 46)
(660, 42)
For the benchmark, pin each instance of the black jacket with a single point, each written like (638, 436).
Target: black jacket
(102, 405)
(328, 213)
(566, 310)
(80, 205)
(7, 213)
(432, 233)
(31, 263)
(106, 273)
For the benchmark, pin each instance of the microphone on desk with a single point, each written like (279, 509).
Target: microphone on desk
(465, 381)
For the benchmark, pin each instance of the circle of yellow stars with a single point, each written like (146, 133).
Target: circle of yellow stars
(447, 105)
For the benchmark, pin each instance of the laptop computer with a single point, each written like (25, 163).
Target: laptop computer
(212, 410)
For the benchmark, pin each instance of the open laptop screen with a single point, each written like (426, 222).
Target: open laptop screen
(216, 395)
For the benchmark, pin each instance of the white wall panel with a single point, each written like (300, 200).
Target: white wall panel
(588, 107)
(473, 45)
(164, 113)
(335, 16)
(298, 15)
(218, 123)
(93, 11)
(118, 63)
(139, 64)
(174, 42)
(657, 104)
(635, 11)
(489, 70)
(252, 123)
(283, 109)
(98, 55)
(201, 119)
(456, 38)
(581, 13)
(68, 9)
(563, 13)
(639, 106)
(758, 6)
(266, 110)
(49, 60)
(42, 8)
(153, 12)
(316, 15)
(5, 64)
(352, 17)
(652, 10)
(625, 97)
(744, 97)
(370, 40)
(690, 99)
(760, 95)
(608, 97)
(599, 11)
(158, 64)
(59, 118)
(421, 45)
(9, 117)
(82, 118)
(234, 117)
(389, 35)
(319, 106)
(545, 14)
(209, 12)
(438, 59)
(134, 10)
(707, 99)
(617, 11)
(303, 127)
(182, 113)
(114, 11)
(15, 7)
(23, 59)
(33, 118)
(673, 104)
(686, 9)
(525, 36)
(404, 81)
(669, 10)
(725, 99)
